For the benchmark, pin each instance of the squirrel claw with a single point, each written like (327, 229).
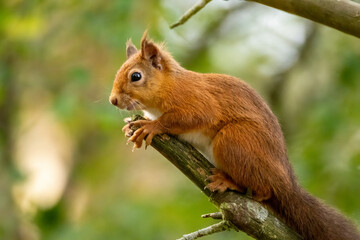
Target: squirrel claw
(127, 120)
(127, 130)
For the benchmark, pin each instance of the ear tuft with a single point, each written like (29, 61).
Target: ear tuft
(150, 51)
(144, 40)
(130, 49)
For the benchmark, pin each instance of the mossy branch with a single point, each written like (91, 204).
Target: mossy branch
(243, 213)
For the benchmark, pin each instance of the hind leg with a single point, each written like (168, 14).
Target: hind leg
(238, 152)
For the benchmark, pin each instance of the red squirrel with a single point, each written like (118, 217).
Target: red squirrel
(225, 119)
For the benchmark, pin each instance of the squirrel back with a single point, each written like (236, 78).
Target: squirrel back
(225, 118)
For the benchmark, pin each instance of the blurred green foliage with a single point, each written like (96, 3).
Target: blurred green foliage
(62, 56)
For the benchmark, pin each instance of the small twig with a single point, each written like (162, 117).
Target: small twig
(216, 215)
(192, 11)
(217, 227)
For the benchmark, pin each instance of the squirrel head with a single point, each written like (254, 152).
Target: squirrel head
(139, 82)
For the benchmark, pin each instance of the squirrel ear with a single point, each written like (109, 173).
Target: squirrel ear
(150, 52)
(130, 49)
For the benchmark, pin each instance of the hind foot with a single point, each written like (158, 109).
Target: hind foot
(220, 182)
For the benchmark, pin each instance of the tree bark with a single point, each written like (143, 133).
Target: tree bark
(343, 15)
(245, 214)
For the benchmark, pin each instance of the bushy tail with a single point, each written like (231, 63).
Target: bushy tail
(312, 219)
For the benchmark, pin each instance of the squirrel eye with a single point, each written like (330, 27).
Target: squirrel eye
(136, 76)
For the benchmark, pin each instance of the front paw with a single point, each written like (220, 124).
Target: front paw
(148, 129)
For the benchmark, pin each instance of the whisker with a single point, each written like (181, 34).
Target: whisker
(122, 113)
(140, 105)
(98, 100)
(137, 105)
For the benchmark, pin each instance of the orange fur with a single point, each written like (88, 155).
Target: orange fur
(247, 143)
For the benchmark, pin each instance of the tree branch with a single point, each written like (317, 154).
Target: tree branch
(245, 214)
(343, 15)
(215, 228)
(216, 215)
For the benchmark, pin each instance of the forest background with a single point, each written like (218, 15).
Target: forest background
(66, 171)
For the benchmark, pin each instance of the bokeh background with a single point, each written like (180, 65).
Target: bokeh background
(66, 171)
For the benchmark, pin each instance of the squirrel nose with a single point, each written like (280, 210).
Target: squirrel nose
(113, 100)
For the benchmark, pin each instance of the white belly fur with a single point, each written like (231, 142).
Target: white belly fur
(152, 114)
(200, 141)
